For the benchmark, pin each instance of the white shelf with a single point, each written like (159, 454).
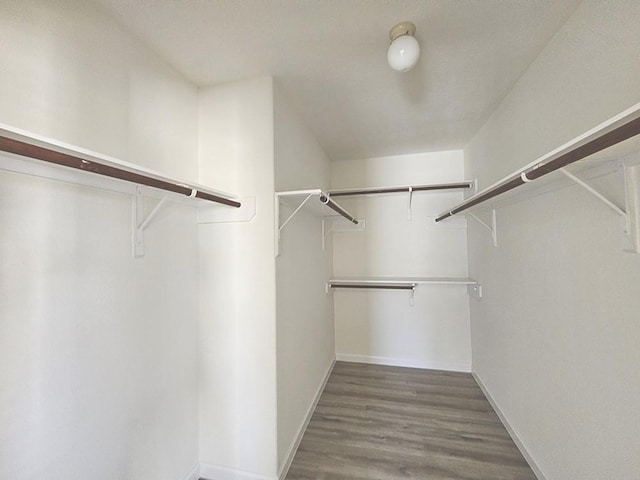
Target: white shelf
(585, 152)
(35, 155)
(314, 201)
(409, 190)
(402, 280)
(293, 199)
(402, 189)
(404, 283)
(612, 145)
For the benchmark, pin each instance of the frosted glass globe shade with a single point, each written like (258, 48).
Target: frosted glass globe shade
(403, 53)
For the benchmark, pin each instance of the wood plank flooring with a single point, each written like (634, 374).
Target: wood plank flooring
(385, 423)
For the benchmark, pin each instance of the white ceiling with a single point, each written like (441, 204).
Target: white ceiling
(329, 56)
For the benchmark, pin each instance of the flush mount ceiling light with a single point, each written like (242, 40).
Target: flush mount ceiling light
(404, 49)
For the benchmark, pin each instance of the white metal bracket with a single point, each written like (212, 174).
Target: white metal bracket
(306, 199)
(339, 224)
(289, 218)
(632, 198)
(475, 291)
(630, 217)
(410, 201)
(140, 222)
(493, 228)
(412, 295)
(326, 231)
(594, 192)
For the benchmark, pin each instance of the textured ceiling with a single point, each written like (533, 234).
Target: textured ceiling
(329, 57)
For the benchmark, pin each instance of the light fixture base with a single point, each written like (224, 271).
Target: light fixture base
(402, 28)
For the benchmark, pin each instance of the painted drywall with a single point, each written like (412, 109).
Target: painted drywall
(380, 326)
(98, 349)
(74, 75)
(555, 336)
(238, 424)
(305, 327)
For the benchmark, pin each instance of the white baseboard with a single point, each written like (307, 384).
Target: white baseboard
(194, 474)
(296, 443)
(402, 362)
(215, 472)
(512, 431)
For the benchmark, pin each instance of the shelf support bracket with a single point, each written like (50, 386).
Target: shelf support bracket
(475, 291)
(493, 228)
(140, 222)
(594, 192)
(338, 224)
(295, 212)
(630, 216)
(325, 232)
(289, 218)
(409, 203)
(631, 240)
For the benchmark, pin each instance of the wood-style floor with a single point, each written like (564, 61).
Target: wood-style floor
(377, 422)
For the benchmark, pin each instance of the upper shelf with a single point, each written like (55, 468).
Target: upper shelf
(51, 152)
(618, 132)
(400, 189)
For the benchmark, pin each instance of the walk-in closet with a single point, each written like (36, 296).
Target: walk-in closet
(338, 240)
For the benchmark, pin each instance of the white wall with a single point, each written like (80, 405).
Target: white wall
(238, 437)
(305, 327)
(379, 326)
(99, 373)
(74, 75)
(555, 336)
(98, 350)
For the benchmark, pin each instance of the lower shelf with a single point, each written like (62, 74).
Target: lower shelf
(404, 283)
(403, 280)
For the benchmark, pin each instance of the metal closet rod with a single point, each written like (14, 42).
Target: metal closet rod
(606, 140)
(25, 149)
(337, 208)
(370, 285)
(400, 189)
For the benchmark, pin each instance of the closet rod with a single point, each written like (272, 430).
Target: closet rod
(400, 189)
(370, 285)
(25, 149)
(337, 208)
(600, 142)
